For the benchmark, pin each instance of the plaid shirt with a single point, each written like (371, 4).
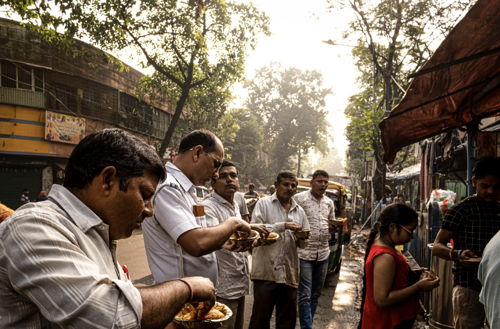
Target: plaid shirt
(473, 223)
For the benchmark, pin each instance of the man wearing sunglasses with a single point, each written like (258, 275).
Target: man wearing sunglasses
(177, 238)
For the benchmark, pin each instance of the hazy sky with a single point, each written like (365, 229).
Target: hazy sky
(298, 28)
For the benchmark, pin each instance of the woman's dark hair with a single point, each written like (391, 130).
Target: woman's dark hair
(202, 137)
(130, 156)
(397, 213)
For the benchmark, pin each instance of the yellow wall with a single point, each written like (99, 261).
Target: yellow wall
(25, 130)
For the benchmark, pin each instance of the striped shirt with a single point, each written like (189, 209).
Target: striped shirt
(58, 269)
(318, 213)
(232, 267)
(473, 223)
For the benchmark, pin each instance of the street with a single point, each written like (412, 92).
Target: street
(338, 304)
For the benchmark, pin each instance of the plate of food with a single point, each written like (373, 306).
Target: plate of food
(190, 316)
(243, 240)
(302, 234)
(428, 274)
(270, 238)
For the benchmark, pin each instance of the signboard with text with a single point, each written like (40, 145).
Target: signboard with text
(64, 128)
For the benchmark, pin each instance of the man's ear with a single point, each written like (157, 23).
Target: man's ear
(474, 181)
(197, 151)
(108, 179)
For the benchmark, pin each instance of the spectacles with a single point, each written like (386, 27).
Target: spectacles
(216, 163)
(410, 232)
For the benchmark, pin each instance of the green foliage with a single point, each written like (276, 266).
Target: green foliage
(394, 39)
(188, 43)
(291, 106)
(246, 148)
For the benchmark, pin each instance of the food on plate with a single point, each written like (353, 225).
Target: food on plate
(194, 311)
(272, 235)
(428, 275)
(302, 234)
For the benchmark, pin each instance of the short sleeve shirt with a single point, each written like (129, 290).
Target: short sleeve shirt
(473, 223)
(239, 198)
(318, 213)
(58, 269)
(278, 262)
(173, 216)
(233, 280)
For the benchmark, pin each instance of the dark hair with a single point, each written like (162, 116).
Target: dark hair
(251, 185)
(487, 167)
(320, 172)
(202, 137)
(397, 213)
(130, 156)
(285, 174)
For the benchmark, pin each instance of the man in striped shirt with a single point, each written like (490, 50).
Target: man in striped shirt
(57, 257)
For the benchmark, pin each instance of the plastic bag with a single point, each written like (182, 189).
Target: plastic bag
(444, 198)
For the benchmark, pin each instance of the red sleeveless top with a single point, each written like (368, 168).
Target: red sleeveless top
(375, 317)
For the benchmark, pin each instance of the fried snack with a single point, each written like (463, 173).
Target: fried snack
(272, 235)
(214, 314)
(193, 311)
(428, 275)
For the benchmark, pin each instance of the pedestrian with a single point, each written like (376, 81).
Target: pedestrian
(471, 224)
(388, 300)
(275, 267)
(232, 267)
(251, 191)
(25, 196)
(57, 258)
(489, 276)
(271, 190)
(42, 196)
(314, 256)
(178, 240)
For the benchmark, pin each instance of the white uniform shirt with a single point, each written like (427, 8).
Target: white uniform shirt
(233, 280)
(279, 261)
(173, 215)
(58, 269)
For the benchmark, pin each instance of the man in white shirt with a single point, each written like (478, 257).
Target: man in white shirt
(178, 242)
(233, 281)
(58, 265)
(489, 276)
(314, 256)
(275, 267)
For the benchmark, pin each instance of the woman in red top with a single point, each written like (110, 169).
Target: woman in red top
(389, 302)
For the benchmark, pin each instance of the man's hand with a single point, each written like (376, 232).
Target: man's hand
(203, 291)
(263, 231)
(465, 256)
(241, 225)
(427, 284)
(293, 226)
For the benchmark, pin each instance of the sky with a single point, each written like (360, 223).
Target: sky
(298, 30)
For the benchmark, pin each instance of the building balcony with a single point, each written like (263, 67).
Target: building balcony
(22, 97)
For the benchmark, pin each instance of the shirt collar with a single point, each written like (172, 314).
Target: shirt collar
(274, 198)
(221, 200)
(183, 180)
(80, 214)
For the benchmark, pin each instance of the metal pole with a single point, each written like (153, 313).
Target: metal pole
(470, 159)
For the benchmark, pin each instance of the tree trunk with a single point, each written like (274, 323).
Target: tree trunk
(171, 127)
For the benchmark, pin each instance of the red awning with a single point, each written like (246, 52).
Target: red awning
(458, 85)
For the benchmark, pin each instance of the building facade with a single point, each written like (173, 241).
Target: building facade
(50, 100)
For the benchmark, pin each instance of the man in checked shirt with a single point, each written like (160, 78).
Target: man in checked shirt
(471, 224)
(314, 256)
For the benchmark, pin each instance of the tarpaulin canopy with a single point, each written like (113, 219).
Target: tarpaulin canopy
(458, 85)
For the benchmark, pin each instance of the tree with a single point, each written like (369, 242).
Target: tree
(189, 44)
(291, 105)
(394, 39)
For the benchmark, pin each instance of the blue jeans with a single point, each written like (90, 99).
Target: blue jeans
(312, 278)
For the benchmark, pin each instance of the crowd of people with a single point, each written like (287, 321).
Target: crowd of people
(58, 264)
